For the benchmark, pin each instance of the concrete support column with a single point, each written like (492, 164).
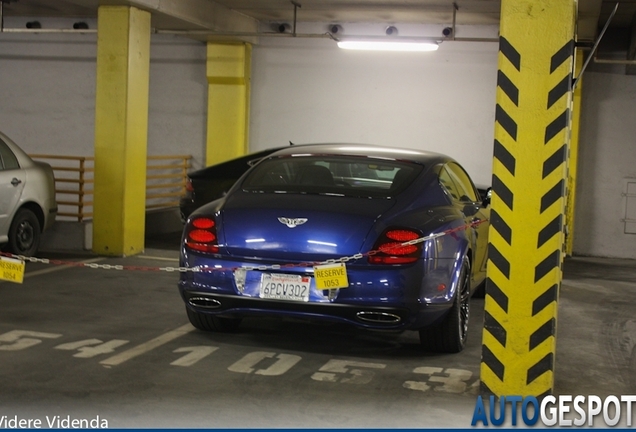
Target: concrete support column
(528, 203)
(121, 130)
(228, 72)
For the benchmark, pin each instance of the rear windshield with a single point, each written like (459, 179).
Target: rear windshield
(333, 175)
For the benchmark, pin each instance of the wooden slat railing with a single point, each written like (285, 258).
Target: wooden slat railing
(73, 185)
(74, 179)
(166, 180)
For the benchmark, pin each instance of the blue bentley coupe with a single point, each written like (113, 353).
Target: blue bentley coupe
(376, 237)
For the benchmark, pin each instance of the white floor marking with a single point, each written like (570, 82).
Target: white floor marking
(147, 346)
(196, 353)
(283, 363)
(346, 371)
(453, 380)
(72, 346)
(86, 350)
(20, 339)
(156, 258)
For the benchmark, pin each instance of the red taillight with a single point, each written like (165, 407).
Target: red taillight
(189, 186)
(201, 235)
(402, 235)
(391, 248)
(203, 223)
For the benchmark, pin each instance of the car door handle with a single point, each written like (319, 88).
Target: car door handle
(15, 181)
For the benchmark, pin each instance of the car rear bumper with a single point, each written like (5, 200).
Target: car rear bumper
(364, 316)
(382, 297)
(50, 218)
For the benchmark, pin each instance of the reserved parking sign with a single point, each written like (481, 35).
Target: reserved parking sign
(11, 270)
(331, 276)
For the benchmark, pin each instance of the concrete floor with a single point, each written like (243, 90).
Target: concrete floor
(117, 345)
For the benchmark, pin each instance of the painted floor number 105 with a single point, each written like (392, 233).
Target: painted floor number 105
(447, 380)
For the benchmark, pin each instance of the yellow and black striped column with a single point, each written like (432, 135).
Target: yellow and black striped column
(528, 203)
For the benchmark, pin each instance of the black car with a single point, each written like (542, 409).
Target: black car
(207, 184)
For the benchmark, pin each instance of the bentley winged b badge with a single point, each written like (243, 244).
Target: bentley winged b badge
(292, 222)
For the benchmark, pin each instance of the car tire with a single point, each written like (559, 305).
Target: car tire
(207, 322)
(449, 336)
(25, 233)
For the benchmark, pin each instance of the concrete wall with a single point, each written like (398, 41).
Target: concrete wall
(302, 90)
(607, 157)
(310, 91)
(47, 92)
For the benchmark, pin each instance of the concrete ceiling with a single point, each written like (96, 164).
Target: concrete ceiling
(244, 15)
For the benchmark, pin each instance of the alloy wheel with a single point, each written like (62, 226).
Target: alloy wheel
(25, 236)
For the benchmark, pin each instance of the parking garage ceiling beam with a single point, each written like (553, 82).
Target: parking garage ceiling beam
(184, 14)
(587, 19)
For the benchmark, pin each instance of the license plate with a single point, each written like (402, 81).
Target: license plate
(285, 287)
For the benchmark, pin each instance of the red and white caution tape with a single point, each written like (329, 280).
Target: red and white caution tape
(246, 268)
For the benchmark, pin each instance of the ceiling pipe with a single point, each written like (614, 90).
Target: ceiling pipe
(245, 34)
(52, 30)
(455, 9)
(296, 6)
(327, 35)
(471, 39)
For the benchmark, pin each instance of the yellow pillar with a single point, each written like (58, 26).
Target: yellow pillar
(121, 130)
(574, 153)
(228, 72)
(528, 202)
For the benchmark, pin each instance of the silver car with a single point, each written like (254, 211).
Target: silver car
(27, 199)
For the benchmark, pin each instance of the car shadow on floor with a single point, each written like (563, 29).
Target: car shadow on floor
(288, 334)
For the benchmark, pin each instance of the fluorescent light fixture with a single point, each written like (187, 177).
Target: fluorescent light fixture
(378, 45)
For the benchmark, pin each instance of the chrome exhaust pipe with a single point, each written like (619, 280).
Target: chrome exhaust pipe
(204, 302)
(378, 317)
